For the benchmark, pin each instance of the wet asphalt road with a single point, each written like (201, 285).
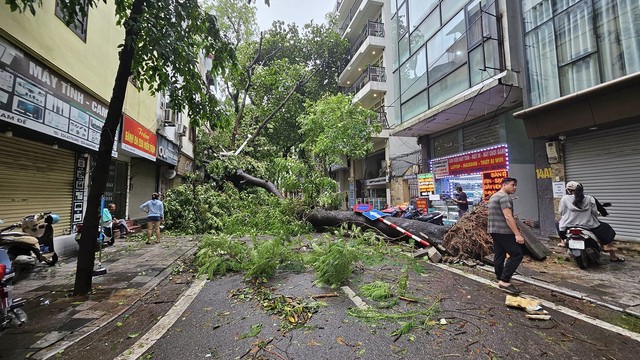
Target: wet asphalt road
(478, 325)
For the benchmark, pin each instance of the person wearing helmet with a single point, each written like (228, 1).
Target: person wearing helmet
(578, 209)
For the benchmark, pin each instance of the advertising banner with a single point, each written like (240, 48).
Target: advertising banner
(137, 139)
(476, 162)
(34, 96)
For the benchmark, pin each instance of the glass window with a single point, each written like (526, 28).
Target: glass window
(402, 20)
(559, 5)
(574, 30)
(446, 37)
(395, 104)
(453, 84)
(394, 42)
(413, 75)
(403, 47)
(415, 106)
(542, 64)
(450, 8)
(480, 19)
(447, 50)
(630, 34)
(481, 69)
(579, 75)
(79, 26)
(609, 42)
(535, 12)
(426, 30)
(418, 10)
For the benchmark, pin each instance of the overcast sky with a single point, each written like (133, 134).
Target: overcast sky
(298, 11)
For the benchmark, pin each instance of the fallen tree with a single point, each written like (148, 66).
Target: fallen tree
(430, 232)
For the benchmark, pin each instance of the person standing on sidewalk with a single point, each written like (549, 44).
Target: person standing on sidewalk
(462, 201)
(155, 214)
(507, 239)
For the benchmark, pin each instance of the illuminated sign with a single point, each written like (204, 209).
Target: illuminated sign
(473, 162)
(137, 139)
(492, 183)
(426, 184)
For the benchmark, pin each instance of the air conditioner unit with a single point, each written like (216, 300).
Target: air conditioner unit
(181, 130)
(170, 118)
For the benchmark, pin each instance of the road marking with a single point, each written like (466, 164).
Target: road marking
(550, 305)
(156, 332)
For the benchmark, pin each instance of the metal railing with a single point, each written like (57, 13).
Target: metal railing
(381, 118)
(371, 28)
(371, 73)
(350, 15)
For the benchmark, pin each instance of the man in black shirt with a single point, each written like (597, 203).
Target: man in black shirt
(461, 201)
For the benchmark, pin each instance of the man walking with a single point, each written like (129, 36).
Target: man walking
(507, 238)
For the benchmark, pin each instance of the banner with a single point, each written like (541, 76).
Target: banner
(137, 139)
(492, 183)
(475, 162)
(426, 184)
(34, 96)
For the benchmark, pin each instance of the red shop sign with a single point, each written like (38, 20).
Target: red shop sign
(138, 139)
(480, 161)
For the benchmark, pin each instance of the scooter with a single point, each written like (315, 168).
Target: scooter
(435, 217)
(11, 314)
(33, 242)
(583, 245)
(107, 236)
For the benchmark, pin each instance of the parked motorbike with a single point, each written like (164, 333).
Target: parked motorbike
(435, 217)
(11, 314)
(32, 242)
(583, 245)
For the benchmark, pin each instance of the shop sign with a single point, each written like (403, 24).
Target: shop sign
(426, 184)
(185, 165)
(475, 162)
(167, 151)
(376, 181)
(558, 189)
(492, 183)
(352, 195)
(34, 96)
(137, 139)
(422, 203)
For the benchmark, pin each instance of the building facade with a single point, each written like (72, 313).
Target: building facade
(55, 85)
(457, 80)
(387, 176)
(581, 102)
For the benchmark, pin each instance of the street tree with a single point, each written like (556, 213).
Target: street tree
(162, 44)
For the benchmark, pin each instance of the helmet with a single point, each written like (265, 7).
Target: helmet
(572, 185)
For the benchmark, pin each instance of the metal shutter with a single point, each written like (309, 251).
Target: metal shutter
(35, 178)
(481, 135)
(607, 163)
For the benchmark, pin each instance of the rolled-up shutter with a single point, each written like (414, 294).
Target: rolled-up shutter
(607, 163)
(35, 178)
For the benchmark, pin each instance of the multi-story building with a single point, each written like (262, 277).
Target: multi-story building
(387, 176)
(456, 75)
(581, 102)
(55, 86)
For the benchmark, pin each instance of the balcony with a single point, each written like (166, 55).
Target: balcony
(353, 15)
(367, 49)
(380, 118)
(369, 86)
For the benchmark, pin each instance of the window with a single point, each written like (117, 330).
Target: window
(79, 26)
(415, 106)
(413, 75)
(453, 84)
(418, 10)
(402, 20)
(450, 8)
(535, 12)
(447, 50)
(404, 48)
(542, 64)
(426, 30)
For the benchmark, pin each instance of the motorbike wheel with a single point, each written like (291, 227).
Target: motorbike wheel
(593, 255)
(112, 241)
(582, 261)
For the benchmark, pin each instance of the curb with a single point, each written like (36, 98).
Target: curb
(86, 330)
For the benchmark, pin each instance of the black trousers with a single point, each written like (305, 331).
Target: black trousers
(504, 244)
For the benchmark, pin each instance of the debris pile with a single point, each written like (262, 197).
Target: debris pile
(531, 306)
(468, 238)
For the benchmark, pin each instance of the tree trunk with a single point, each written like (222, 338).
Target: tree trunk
(86, 254)
(265, 184)
(427, 231)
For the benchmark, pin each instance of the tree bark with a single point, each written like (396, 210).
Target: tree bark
(430, 232)
(86, 254)
(265, 184)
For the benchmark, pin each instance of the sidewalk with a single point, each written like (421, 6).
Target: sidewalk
(56, 320)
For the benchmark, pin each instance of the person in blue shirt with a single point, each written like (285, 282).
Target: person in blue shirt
(155, 214)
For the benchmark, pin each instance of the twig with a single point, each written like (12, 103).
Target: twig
(408, 299)
(322, 296)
